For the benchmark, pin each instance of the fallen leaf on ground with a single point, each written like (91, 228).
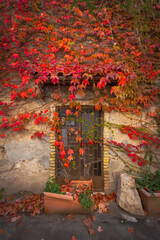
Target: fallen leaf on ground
(100, 229)
(102, 207)
(70, 216)
(1, 231)
(87, 222)
(8, 220)
(145, 212)
(33, 214)
(10, 198)
(111, 197)
(99, 211)
(73, 238)
(130, 230)
(94, 207)
(31, 203)
(91, 231)
(37, 211)
(18, 223)
(14, 219)
(93, 217)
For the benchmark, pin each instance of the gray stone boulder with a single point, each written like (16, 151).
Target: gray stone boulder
(127, 196)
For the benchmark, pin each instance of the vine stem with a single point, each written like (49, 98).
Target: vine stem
(110, 28)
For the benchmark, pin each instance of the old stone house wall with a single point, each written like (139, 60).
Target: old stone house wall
(26, 164)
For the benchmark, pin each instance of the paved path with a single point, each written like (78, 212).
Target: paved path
(115, 226)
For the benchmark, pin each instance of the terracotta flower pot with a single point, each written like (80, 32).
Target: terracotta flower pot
(62, 204)
(149, 203)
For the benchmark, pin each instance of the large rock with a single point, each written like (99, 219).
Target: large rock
(127, 196)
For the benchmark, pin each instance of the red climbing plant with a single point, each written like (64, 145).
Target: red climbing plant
(48, 42)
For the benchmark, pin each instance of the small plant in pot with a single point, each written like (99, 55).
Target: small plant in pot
(59, 202)
(148, 185)
(86, 200)
(52, 186)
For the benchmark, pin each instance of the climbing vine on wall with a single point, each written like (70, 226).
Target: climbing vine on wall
(42, 41)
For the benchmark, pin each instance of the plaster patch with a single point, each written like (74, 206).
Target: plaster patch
(26, 175)
(24, 150)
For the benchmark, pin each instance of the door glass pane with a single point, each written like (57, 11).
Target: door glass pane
(64, 136)
(88, 126)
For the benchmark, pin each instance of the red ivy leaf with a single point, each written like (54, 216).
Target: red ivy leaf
(70, 151)
(70, 157)
(38, 120)
(68, 112)
(16, 129)
(5, 119)
(85, 82)
(34, 94)
(66, 165)
(56, 143)
(25, 79)
(45, 119)
(76, 113)
(27, 115)
(72, 96)
(73, 238)
(54, 79)
(56, 114)
(38, 81)
(24, 94)
(16, 56)
(30, 90)
(40, 134)
(98, 107)
(56, 96)
(35, 115)
(78, 139)
(63, 152)
(77, 11)
(90, 142)
(2, 113)
(130, 230)
(81, 151)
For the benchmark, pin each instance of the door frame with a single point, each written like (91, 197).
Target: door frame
(101, 132)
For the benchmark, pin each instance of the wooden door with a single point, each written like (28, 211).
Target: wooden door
(88, 127)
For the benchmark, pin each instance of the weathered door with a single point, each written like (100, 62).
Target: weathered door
(78, 133)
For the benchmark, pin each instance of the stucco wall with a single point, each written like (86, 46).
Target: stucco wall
(24, 165)
(25, 162)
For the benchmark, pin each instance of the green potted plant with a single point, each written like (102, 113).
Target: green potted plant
(85, 200)
(148, 185)
(59, 202)
(52, 186)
